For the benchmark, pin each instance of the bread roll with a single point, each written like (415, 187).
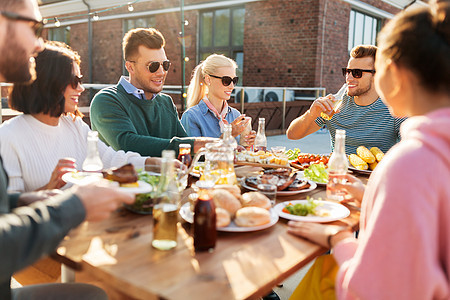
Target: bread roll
(225, 200)
(256, 199)
(234, 190)
(252, 216)
(223, 218)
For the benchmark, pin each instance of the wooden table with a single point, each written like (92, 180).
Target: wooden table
(243, 265)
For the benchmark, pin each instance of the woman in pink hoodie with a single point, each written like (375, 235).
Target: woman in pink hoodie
(403, 249)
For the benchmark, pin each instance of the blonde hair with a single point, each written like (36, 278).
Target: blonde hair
(197, 87)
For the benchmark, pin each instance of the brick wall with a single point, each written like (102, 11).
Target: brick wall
(286, 42)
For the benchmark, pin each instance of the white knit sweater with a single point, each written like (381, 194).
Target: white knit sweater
(31, 149)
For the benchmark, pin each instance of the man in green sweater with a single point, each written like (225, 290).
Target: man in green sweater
(33, 224)
(134, 115)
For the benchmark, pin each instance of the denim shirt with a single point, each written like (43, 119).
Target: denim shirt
(199, 120)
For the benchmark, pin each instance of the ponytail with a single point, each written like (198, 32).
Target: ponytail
(197, 87)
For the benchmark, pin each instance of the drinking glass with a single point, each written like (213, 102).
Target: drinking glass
(338, 98)
(267, 185)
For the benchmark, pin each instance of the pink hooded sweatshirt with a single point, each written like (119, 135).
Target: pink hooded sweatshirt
(403, 250)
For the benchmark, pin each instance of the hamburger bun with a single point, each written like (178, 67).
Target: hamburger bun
(223, 218)
(234, 190)
(224, 199)
(252, 216)
(256, 199)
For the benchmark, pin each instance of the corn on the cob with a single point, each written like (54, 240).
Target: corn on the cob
(377, 153)
(357, 162)
(373, 165)
(365, 154)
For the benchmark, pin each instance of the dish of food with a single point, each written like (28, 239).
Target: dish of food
(83, 178)
(309, 186)
(304, 160)
(301, 174)
(188, 216)
(325, 211)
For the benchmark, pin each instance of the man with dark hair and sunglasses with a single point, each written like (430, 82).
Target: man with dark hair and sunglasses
(363, 115)
(134, 115)
(33, 224)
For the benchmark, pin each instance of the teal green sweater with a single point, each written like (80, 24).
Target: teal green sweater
(145, 126)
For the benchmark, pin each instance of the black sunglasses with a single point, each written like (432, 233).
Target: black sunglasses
(226, 80)
(37, 26)
(154, 65)
(356, 73)
(75, 81)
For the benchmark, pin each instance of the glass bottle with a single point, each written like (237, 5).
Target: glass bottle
(93, 162)
(184, 154)
(205, 234)
(227, 138)
(165, 209)
(261, 140)
(337, 167)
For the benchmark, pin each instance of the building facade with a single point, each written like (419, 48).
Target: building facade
(276, 43)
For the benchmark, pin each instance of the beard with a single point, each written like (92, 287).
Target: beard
(360, 91)
(15, 65)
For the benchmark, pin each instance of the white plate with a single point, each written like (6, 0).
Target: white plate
(188, 216)
(81, 178)
(337, 211)
(313, 185)
(302, 175)
(355, 170)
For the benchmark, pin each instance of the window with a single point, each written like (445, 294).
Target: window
(138, 23)
(363, 29)
(60, 34)
(222, 32)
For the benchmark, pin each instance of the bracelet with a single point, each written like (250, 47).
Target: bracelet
(330, 236)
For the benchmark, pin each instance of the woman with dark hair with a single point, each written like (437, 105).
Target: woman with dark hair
(45, 142)
(403, 248)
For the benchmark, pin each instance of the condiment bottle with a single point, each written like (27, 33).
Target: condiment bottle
(165, 209)
(337, 167)
(93, 162)
(261, 140)
(184, 154)
(205, 233)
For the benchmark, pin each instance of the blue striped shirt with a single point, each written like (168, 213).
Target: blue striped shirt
(370, 126)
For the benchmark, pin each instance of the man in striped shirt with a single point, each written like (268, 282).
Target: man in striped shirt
(362, 114)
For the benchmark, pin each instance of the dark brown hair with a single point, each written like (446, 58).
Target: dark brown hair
(419, 40)
(54, 66)
(361, 51)
(147, 37)
(12, 5)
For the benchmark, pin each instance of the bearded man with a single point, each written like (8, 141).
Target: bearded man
(362, 114)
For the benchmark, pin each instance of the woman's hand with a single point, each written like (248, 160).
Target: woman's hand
(239, 125)
(65, 165)
(315, 232)
(250, 138)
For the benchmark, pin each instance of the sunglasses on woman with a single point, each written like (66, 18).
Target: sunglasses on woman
(154, 65)
(36, 25)
(75, 81)
(356, 73)
(227, 80)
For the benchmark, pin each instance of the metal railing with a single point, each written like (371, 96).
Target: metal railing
(242, 95)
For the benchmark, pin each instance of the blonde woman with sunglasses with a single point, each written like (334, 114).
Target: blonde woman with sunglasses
(212, 83)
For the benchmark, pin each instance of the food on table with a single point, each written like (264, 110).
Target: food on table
(262, 157)
(144, 202)
(256, 199)
(292, 154)
(366, 159)
(358, 162)
(377, 153)
(365, 154)
(317, 173)
(278, 171)
(289, 182)
(310, 208)
(233, 189)
(252, 216)
(125, 175)
(304, 160)
(226, 200)
(223, 218)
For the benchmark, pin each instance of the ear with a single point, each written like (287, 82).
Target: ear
(129, 66)
(207, 80)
